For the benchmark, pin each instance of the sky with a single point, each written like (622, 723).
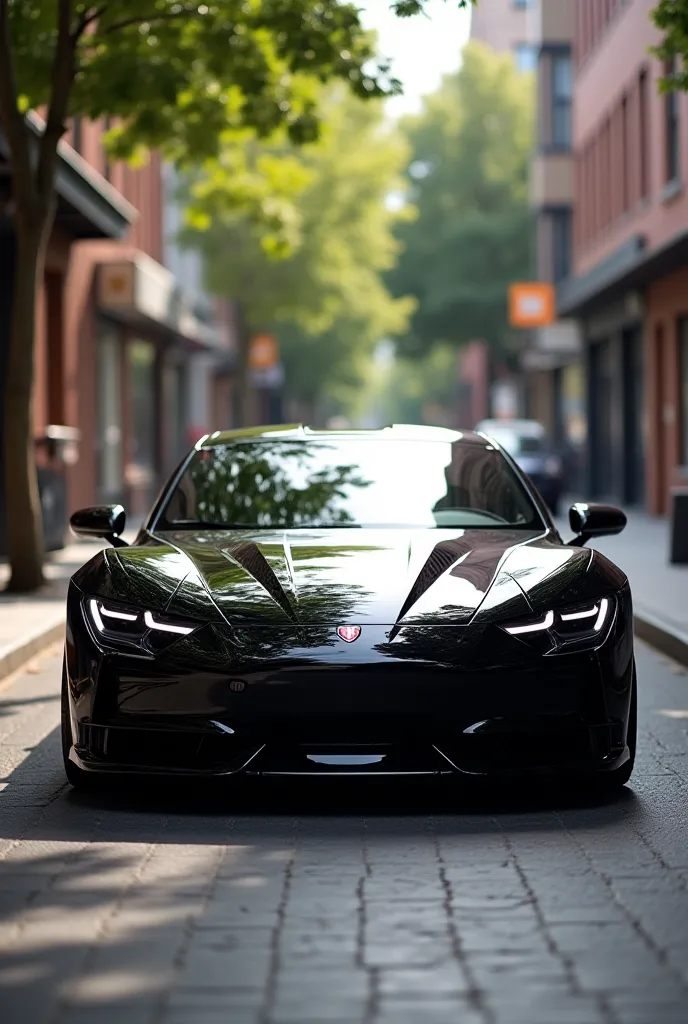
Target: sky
(422, 48)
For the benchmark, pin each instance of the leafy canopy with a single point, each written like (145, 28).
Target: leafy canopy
(671, 17)
(180, 73)
(468, 178)
(326, 298)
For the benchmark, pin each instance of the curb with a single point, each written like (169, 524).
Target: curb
(662, 637)
(29, 647)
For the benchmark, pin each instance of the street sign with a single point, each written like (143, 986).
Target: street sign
(263, 352)
(531, 304)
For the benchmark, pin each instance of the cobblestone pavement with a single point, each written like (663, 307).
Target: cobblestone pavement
(378, 906)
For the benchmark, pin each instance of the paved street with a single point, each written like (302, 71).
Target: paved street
(356, 905)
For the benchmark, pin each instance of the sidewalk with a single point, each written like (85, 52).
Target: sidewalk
(660, 593)
(660, 590)
(28, 624)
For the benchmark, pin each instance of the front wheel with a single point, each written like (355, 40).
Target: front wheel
(613, 782)
(77, 777)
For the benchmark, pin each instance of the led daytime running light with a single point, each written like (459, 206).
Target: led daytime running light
(604, 605)
(165, 627)
(98, 611)
(110, 614)
(533, 627)
(598, 611)
(579, 615)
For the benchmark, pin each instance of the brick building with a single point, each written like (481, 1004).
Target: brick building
(124, 349)
(553, 377)
(504, 25)
(629, 282)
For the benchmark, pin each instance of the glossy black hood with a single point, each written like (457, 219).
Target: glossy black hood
(383, 577)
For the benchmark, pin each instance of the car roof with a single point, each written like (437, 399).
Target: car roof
(299, 431)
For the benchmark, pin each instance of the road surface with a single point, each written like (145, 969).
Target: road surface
(362, 904)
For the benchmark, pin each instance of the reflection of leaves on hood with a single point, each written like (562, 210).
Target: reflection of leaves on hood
(256, 483)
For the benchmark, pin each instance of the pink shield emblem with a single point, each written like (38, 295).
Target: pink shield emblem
(349, 633)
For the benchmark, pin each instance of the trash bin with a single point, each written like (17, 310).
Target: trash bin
(679, 526)
(55, 449)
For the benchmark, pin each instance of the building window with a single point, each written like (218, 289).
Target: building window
(561, 245)
(561, 100)
(671, 128)
(526, 57)
(643, 134)
(107, 166)
(625, 154)
(109, 415)
(76, 134)
(141, 470)
(683, 370)
(522, 5)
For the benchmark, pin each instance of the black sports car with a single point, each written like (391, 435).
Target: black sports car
(383, 602)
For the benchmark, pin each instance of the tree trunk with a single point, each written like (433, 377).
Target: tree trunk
(22, 503)
(243, 405)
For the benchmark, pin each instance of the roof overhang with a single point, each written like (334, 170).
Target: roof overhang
(632, 266)
(88, 206)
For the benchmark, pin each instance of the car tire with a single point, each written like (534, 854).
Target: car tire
(77, 777)
(609, 783)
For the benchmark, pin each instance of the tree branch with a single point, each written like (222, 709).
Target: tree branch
(11, 118)
(142, 19)
(61, 79)
(88, 17)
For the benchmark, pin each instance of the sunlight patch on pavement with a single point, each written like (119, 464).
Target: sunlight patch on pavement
(115, 985)
(669, 713)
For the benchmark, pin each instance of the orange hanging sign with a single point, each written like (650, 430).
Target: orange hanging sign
(263, 352)
(531, 304)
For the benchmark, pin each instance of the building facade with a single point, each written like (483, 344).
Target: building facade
(551, 362)
(504, 26)
(148, 341)
(132, 363)
(628, 285)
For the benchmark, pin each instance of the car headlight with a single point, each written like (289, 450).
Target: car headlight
(582, 625)
(123, 626)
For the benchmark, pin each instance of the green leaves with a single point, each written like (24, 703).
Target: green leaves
(177, 74)
(468, 176)
(327, 300)
(671, 16)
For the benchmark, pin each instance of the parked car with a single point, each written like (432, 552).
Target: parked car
(391, 602)
(526, 441)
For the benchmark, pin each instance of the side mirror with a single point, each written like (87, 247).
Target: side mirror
(105, 521)
(588, 521)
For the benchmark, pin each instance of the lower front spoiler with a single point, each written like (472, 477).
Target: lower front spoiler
(264, 763)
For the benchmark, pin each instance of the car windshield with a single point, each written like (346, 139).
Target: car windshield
(348, 483)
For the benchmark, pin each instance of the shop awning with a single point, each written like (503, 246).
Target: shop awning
(88, 206)
(144, 295)
(631, 267)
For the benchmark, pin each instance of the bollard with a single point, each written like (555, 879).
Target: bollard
(679, 526)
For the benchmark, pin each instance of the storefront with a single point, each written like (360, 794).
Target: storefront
(87, 209)
(666, 387)
(610, 303)
(616, 443)
(156, 361)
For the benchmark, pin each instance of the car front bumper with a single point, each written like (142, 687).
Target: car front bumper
(269, 702)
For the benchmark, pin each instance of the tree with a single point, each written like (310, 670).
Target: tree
(411, 390)
(176, 75)
(325, 298)
(671, 17)
(468, 178)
